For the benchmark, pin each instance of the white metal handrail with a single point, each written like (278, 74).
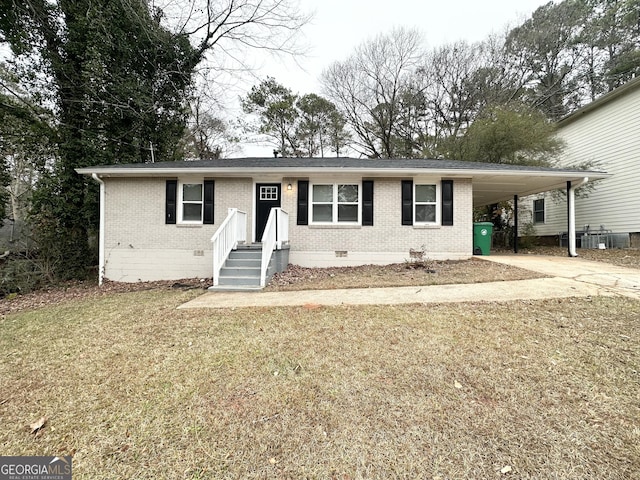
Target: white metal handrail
(276, 232)
(283, 228)
(232, 231)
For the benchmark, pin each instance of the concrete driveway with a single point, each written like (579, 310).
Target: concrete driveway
(570, 277)
(616, 280)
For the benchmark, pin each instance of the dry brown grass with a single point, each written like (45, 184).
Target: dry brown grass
(134, 388)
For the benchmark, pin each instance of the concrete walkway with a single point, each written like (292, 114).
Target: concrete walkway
(571, 277)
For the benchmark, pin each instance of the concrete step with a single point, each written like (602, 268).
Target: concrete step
(243, 262)
(246, 253)
(236, 288)
(241, 271)
(239, 281)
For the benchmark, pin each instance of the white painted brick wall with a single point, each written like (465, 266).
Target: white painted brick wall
(387, 233)
(140, 246)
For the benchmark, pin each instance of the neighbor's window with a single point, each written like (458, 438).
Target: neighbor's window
(335, 203)
(191, 203)
(425, 203)
(538, 211)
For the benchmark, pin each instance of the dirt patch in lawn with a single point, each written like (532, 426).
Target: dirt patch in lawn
(474, 270)
(68, 291)
(294, 278)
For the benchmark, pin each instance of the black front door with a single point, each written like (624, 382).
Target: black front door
(267, 197)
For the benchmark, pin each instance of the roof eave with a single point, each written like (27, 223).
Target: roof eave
(300, 171)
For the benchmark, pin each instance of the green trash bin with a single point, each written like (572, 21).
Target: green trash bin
(482, 232)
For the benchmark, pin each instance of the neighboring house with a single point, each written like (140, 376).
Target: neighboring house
(606, 135)
(158, 219)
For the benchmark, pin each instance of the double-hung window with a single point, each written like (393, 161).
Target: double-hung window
(538, 211)
(426, 204)
(191, 202)
(335, 203)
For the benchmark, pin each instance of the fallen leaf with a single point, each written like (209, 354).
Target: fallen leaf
(457, 384)
(273, 461)
(506, 469)
(37, 425)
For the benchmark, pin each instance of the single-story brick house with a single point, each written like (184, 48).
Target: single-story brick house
(158, 219)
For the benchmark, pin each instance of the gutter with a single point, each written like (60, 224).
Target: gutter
(101, 265)
(306, 171)
(571, 211)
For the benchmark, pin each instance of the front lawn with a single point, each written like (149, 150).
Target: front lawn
(133, 388)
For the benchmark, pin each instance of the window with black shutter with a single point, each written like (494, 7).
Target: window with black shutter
(447, 202)
(209, 189)
(367, 203)
(407, 202)
(171, 201)
(303, 202)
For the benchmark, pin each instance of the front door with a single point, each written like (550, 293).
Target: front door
(267, 197)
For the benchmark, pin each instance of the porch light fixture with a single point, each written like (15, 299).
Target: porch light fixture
(289, 187)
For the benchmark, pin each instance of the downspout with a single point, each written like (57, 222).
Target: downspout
(571, 214)
(101, 232)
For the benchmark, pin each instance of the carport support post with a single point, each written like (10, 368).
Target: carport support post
(571, 214)
(571, 217)
(569, 228)
(515, 224)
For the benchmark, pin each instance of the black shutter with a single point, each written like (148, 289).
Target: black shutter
(170, 202)
(303, 202)
(407, 202)
(208, 202)
(447, 202)
(367, 202)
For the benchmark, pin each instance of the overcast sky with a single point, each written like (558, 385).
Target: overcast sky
(340, 25)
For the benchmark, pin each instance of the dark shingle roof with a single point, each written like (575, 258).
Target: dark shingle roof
(335, 164)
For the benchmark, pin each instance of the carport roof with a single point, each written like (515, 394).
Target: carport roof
(492, 182)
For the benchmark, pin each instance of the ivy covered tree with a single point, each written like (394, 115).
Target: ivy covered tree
(118, 79)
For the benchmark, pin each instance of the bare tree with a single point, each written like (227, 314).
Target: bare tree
(208, 136)
(234, 27)
(367, 88)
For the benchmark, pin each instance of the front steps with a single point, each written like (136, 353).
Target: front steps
(241, 271)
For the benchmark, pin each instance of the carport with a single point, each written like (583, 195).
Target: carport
(492, 184)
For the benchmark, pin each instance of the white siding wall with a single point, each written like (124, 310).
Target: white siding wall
(610, 136)
(139, 246)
